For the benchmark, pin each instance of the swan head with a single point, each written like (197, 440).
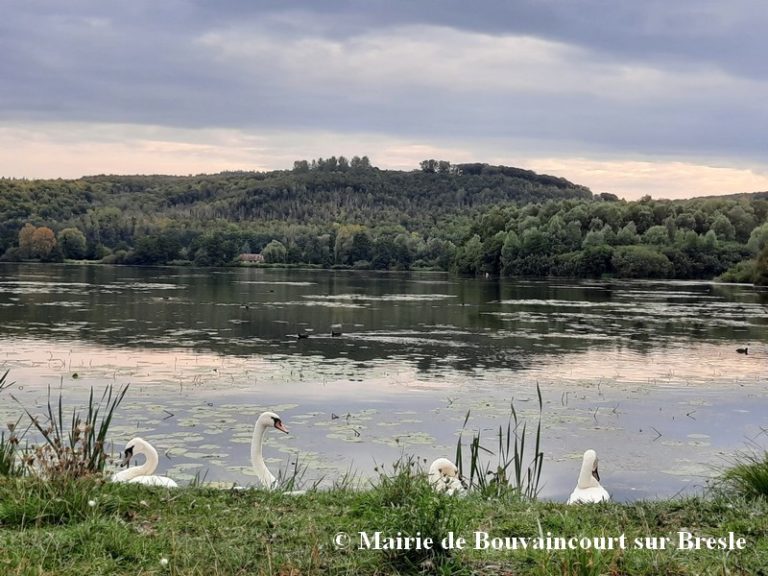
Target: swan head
(134, 446)
(271, 420)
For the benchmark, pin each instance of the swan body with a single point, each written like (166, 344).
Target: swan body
(264, 422)
(588, 488)
(444, 477)
(142, 474)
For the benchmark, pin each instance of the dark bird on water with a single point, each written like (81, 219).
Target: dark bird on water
(302, 335)
(744, 350)
(335, 333)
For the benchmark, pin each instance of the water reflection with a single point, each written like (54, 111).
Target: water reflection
(644, 372)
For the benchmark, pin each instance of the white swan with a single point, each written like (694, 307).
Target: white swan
(142, 474)
(266, 421)
(444, 477)
(588, 488)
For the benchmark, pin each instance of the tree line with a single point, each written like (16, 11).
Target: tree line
(467, 218)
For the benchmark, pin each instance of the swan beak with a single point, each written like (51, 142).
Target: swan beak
(127, 458)
(280, 426)
(595, 474)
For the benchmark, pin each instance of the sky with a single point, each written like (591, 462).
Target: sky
(658, 97)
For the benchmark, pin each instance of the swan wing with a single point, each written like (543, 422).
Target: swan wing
(122, 476)
(589, 495)
(455, 486)
(154, 481)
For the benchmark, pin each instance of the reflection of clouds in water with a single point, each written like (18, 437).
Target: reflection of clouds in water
(385, 298)
(682, 366)
(316, 301)
(79, 288)
(276, 283)
(643, 406)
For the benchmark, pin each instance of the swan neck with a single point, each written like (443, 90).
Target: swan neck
(257, 459)
(146, 469)
(586, 479)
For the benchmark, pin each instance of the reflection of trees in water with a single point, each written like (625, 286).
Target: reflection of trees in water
(463, 324)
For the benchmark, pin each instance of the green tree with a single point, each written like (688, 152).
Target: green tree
(361, 248)
(685, 220)
(384, 253)
(534, 241)
(758, 239)
(274, 252)
(217, 247)
(156, 249)
(439, 253)
(346, 249)
(761, 268)
(491, 257)
(628, 235)
(573, 235)
(593, 238)
(429, 166)
(641, 262)
(658, 235)
(743, 222)
(594, 261)
(469, 256)
(510, 251)
(723, 227)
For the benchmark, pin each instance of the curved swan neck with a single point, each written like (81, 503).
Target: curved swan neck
(257, 459)
(150, 463)
(586, 477)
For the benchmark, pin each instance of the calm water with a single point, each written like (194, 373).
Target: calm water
(644, 372)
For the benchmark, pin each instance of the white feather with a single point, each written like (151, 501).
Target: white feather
(588, 488)
(444, 477)
(142, 474)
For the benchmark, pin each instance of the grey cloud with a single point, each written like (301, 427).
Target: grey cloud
(144, 62)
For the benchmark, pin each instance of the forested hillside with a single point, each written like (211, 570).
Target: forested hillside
(471, 218)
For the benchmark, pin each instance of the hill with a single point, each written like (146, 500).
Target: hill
(470, 218)
(113, 212)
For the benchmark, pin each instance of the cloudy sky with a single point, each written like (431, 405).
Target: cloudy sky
(659, 97)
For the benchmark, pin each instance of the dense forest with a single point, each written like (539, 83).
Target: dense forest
(469, 218)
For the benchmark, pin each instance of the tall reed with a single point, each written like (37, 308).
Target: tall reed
(11, 462)
(76, 449)
(511, 470)
(4, 381)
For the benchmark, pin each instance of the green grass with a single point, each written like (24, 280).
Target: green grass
(65, 519)
(47, 530)
(748, 476)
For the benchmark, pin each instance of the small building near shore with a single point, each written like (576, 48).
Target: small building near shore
(250, 257)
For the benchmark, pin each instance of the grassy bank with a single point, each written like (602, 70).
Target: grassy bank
(91, 527)
(59, 516)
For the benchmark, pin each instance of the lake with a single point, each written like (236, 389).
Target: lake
(646, 373)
